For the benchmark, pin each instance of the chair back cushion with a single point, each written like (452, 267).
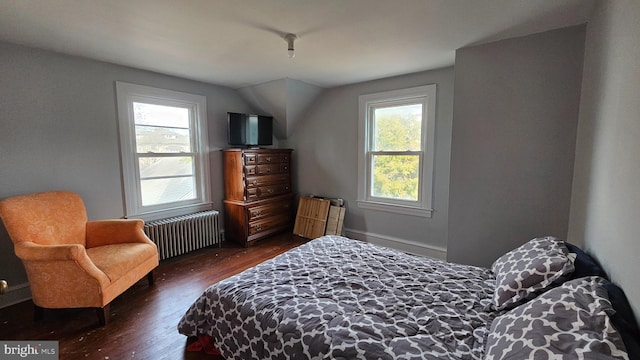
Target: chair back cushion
(46, 218)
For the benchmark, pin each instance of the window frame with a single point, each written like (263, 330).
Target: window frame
(127, 94)
(367, 103)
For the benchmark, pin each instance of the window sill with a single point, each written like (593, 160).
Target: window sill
(399, 209)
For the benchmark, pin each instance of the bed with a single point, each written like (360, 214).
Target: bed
(338, 298)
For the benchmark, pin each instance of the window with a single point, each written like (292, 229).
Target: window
(164, 151)
(396, 141)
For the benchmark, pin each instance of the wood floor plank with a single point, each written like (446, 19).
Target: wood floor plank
(143, 319)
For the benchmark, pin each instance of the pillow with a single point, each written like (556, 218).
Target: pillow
(529, 269)
(584, 264)
(624, 320)
(568, 322)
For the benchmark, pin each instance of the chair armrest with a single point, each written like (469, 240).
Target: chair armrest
(116, 231)
(30, 252)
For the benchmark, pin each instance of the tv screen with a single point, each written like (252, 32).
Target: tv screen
(249, 129)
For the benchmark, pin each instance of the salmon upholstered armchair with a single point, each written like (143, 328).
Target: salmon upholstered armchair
(72, 262)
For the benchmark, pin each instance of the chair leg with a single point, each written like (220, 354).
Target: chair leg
(103, 314)
(151, 278)
(38, 313)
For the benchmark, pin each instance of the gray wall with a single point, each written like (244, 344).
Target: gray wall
(605, 206)
(326, 162)
(514, 126)
(58, 130)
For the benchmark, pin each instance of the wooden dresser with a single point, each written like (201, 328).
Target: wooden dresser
(257, 190)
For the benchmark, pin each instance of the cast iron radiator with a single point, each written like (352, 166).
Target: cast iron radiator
(182, 234)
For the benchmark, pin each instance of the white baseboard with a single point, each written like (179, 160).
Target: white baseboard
(409, 246)
(15, 294)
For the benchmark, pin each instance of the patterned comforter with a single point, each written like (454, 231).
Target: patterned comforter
(337, 298)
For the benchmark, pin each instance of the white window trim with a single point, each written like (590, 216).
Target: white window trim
(126, 95)
(423, 207)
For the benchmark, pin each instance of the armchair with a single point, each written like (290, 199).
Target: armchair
(71, 262)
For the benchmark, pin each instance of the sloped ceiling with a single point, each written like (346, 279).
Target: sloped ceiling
(285, 99)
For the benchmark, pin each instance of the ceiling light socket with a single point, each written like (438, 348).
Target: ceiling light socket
(290, 38)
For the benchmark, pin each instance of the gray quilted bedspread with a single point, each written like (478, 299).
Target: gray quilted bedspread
(337, 298)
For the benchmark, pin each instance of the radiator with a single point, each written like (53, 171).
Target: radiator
(182, 234)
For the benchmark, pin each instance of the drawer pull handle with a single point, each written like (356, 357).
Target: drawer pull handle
(269, 159)
(270, 191)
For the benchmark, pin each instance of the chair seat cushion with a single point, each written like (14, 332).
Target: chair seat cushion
(119, 259)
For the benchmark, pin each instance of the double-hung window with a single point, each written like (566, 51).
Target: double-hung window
(396, 141)
(164, 151)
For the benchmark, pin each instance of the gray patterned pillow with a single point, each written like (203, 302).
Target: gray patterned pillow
(568, 322)
(529, 269)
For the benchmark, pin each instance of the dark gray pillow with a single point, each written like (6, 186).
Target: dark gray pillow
(568, 322)
(529, 269)
(584, 263)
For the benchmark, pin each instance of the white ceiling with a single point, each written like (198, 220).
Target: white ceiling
(240, 43)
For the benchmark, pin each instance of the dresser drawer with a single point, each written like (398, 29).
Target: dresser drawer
(250, 158)
(269, 169)
(274, 208)
(269, 158)
(252, 170)
(268, 223)
(261, 192)
(256, 181)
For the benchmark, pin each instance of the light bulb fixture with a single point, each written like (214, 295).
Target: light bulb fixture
(290, 38)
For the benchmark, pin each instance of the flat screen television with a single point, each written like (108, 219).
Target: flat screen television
(249, 129)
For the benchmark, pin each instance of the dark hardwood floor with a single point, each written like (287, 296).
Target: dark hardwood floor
(143, 320)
